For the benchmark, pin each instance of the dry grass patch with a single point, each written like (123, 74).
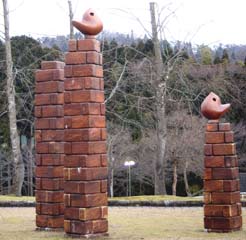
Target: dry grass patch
(129, 223)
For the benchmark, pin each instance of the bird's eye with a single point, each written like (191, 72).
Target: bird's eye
(91, 13)
(214, 99)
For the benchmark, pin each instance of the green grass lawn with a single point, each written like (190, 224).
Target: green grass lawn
(131, 223)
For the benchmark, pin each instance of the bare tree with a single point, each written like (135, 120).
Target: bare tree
(160, 97)
(70, 19)
(18, 177)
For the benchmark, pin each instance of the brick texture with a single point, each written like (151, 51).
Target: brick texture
(49, 139)
(222, 207)
(85, 162)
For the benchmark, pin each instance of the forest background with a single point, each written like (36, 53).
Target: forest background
(153, 92)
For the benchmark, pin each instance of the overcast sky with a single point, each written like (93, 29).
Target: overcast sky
(200, 21)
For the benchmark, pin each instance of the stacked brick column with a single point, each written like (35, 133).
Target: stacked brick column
(222, 207)
(49, 135)
(85, 164)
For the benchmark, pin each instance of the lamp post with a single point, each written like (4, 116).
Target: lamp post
(129, 164)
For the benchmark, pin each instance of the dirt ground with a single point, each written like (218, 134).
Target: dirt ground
(129, 223)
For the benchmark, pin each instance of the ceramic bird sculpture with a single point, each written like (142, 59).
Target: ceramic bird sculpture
(90, 25)
(212, 108)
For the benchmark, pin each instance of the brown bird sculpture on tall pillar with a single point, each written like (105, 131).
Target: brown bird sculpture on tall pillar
(212, 108)
(90, 25)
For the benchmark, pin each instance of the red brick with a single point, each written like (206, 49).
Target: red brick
(49, 87)
(100, 226)
(214, 137)
(88, 45)
(222, 223)
(229, 137)
(231, 185)
(225, 173)
(49, 172)
(93, 57)
(225, 197)
(85, 174)
(74, 83)
(78, 227)
(46, 221)
(38, 136)
(49, 75)
(82, 109)
(86, 70)
(56, 123)
(82, 161)
(103, 134)
(82, 187)
(52, 65)
(213, 185)
(224, 127)
(104, 213)
(51, 159)
(56, 147)
(221, 210)
(52, 111)
(52, 135)
(85, 121)
(101, 84)
(92, 83)
(72, 45)
(208, 149)
(49, 196)
(103, 109)
(41, 123)
(86, 214)
(231, 161)
(214, 161)
(77, 135)
(49, 183)
(224, 149)
(212, 127)
(50, 208)
(104, 186)
(71, 213)
(38, 159)
(207, 174)
(75, 58)
(48, 99)
(97, 147)
(104, 161)
(38, 111)
(42, 147)
(207, 197)
(84, 96)
(68, 71)
(89, 200)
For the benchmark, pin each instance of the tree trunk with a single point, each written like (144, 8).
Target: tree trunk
(175, 178)
(18, 175)
(187, 189)
(70, 19)
(160, 96)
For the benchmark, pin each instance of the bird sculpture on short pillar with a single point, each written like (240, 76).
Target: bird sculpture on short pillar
(90, 25)
(212, 108)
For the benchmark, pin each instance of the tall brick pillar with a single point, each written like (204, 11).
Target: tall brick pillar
(222, 208)
(49, 134)
(85, 164)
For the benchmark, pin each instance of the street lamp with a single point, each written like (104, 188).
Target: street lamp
(129, 164)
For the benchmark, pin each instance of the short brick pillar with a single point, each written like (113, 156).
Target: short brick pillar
(222, 207)
(85, 164)
(49, 135)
